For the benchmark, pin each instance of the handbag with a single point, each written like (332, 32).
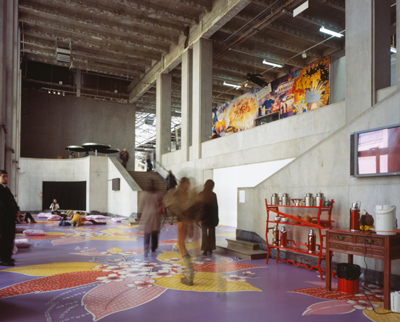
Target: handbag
(160, 208)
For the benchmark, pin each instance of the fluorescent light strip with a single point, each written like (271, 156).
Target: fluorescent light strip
(330, 32)
(393, 50)
(271, 64)
(232, 85)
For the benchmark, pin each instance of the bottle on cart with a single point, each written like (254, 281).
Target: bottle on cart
(311, 241)
(355, 216)
(283, 237)
(275, 240)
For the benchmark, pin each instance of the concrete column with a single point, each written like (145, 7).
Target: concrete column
(3, 79)
(130, 135)
(202, 95)
(186, 104)
(398, 42)
(78, 81)
(382, 41)
(367, 53)
(163, 116)
(12, 67)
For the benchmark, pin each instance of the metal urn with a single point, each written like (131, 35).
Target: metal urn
(309, 200)
(274, 199)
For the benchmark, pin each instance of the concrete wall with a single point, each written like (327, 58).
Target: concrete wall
(326, 168)
(96, 171)
(52, 122)
(229, 179)
(284, 139)
(125, 201)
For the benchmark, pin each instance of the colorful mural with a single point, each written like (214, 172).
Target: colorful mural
(295, 93)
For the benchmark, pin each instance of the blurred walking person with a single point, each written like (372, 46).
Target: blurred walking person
(209, 218)
(171, 184)
(151, 217)
(185, 205)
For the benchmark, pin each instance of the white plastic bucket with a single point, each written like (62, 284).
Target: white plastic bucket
(385, 219)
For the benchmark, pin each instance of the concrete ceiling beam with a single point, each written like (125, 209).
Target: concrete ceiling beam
(73, 31)
(249, 63)
(28, 43)
(261, 39)
(192, 4)
(316, 20)
(78, 65)
(294, 31)
(156, 10)
(117, 13)
(88, 45)
(89, 63)
(221, 13)
(88, 23)
(338, 5)
(274, 58)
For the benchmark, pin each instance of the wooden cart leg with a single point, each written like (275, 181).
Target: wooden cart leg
(386, 281)
(328, 270)
(277, 255)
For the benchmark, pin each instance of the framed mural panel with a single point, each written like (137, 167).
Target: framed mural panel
(295, 93)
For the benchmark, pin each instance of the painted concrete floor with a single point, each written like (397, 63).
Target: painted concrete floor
(100, 273)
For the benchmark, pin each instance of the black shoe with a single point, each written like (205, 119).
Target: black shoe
(10, 260)
(186, 281)
(210, 252)
(7, 263)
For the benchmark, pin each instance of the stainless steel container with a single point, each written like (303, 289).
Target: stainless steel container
(285, 199)
(320, 196)
(309, 199)
(274, 199)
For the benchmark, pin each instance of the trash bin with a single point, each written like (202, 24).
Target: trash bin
(348, 278)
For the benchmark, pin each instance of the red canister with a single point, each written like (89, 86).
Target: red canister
(355, 216)
(283, 236)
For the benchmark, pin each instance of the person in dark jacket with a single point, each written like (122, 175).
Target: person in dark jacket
(210, 218)
(124, 156)
(9, 210)
(171, 181)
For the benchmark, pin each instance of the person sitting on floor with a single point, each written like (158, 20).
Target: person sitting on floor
(24, 218)
(54, 206)
(76, 219)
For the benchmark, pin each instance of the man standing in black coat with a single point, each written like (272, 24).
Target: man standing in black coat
(8, 212)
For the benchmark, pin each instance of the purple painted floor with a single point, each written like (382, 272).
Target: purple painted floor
(94, 273)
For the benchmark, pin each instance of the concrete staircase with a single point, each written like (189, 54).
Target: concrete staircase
(143, 179)
(241, 248)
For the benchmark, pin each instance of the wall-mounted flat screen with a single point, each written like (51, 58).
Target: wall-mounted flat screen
(377, 152)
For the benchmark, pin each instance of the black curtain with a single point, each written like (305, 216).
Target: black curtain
(69, 195)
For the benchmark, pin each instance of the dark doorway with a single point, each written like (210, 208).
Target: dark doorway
(69, 195)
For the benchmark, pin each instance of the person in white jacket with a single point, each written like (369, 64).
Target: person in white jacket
(54, 206)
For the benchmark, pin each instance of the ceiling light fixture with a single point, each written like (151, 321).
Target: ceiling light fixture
(54, 92)
(97, 38)
(58, 93)
(304, 55)
(232, 85)
(330, 32)
(393, 50)
(49, 92)
(271, 64)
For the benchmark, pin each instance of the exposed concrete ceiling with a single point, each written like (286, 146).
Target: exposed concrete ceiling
(136, 40)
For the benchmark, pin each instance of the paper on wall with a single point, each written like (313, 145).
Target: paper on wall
(242, 196)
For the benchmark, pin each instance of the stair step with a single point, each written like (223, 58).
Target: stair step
(242, 252)
(242, 243)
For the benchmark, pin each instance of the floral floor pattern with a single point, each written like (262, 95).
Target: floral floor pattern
(101, 273)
